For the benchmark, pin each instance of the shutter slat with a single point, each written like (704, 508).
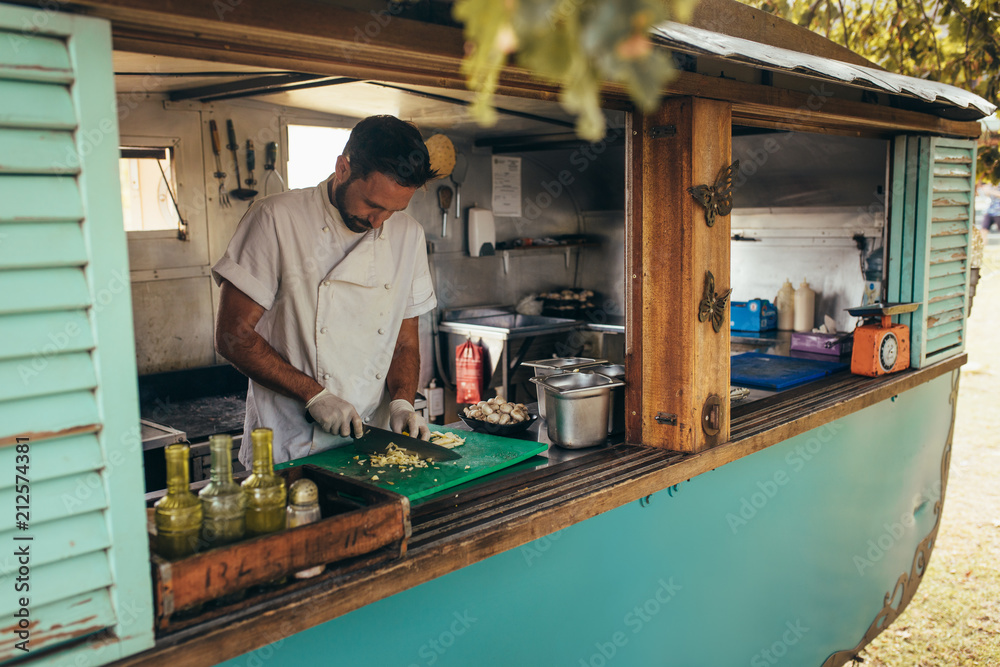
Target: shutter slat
(37, 152)
(62, 538)
(35, 59)
(30, 334)
(39, 417)
(949, 241)
(949, 228)
(58, 457)
(43, 290)
(946, 293)
(952, 198)
(936, 308)
(945, 322)
(40, 106)
(62, 622)
(46, 375)
(942, 344)
(40, 199)
(949, 213)
(950, 185)
(946, 282)
(946, 155)
(948, 255)
(33, 245)
(948, 268)
(62, 579)
(945, 171)
(57, 498)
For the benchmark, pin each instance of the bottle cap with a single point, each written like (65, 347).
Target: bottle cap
(303, 492)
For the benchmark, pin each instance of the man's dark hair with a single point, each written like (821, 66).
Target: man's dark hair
(390, 146)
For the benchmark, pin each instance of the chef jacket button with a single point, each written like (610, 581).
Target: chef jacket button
(381, 331)
(326, 376)
(388, 285)
(326, 229)
(368, 420)
(323, 330)
(326, 283)
(378, 376)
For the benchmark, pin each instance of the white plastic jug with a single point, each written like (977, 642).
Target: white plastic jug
(785, 303)
(805, 307)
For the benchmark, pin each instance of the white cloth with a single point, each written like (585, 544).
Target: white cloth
(334, 301)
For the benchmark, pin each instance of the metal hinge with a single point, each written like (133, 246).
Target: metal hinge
(660, 131)
(666, 418)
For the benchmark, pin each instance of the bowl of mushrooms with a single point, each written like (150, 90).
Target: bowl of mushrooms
(497, 417)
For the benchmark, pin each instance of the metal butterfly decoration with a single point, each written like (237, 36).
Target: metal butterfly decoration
(713, 305)
(717, 199)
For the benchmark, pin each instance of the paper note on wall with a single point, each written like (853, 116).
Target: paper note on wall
(506, 186)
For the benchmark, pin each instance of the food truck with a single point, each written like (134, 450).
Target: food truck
(789, 524)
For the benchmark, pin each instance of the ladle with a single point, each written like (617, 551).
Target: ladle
(458, 176)
(444, 201)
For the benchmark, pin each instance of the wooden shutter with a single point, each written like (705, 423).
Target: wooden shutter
(931, 227)
(67, 367)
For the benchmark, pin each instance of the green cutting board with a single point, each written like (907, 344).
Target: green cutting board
(481, 455)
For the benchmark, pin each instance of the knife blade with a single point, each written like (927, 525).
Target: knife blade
(376, 441)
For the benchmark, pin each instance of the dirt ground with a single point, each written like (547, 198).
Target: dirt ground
(954, 618)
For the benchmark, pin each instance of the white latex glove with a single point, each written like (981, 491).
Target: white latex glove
(402, 417)
(334, 414)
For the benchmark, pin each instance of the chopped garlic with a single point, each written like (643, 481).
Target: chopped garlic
(394, 456)
(374, 478)
(445, 439)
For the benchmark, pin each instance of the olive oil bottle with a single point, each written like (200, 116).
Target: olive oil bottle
(178, 514)
(223, 502)
(265, 491)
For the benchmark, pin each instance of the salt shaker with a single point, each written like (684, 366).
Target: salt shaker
(303, 508)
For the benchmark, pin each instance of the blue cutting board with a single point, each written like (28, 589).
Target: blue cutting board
(770, 371)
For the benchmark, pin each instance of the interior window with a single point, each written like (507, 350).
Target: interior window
(147, 180)
(312, 153)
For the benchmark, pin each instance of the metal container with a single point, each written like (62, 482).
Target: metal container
(578, 405)
(616, 412)
(544, 367)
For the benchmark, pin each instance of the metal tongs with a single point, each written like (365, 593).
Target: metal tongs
(270, 159)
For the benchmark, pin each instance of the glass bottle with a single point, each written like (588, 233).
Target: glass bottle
(265, 491)
(222, 500)
(178, 514)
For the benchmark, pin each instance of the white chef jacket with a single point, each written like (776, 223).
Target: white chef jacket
(334, 301)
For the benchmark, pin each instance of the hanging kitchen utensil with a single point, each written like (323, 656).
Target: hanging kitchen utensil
(242, 194)
(219, 174)
(270, 160)
(458, 176)
(441, 152)
(444, 201)
(251, 165)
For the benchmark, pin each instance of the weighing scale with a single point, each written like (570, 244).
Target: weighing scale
(880, 346)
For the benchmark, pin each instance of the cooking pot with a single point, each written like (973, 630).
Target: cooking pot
(577, 405)
(545, 367)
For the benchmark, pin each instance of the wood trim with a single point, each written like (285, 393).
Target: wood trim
(489, 519)
(634, 158)
(325, 39)
(679, 369)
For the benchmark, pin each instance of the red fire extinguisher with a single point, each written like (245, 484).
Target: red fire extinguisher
(468, 372)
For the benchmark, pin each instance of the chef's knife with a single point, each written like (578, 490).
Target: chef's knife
(376, 441)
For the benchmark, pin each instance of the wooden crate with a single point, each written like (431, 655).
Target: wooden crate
(357, 519)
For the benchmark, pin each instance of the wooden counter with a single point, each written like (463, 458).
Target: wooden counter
(463, 528)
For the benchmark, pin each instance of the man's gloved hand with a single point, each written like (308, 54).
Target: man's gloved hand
(402, 417)
(334, 414)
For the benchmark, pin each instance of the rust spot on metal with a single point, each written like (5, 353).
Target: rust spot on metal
(86, 601)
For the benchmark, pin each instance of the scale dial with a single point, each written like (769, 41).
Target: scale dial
(888, 351)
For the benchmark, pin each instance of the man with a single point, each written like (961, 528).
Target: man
(321, 289)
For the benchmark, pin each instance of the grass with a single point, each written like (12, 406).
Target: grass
(954, 619)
